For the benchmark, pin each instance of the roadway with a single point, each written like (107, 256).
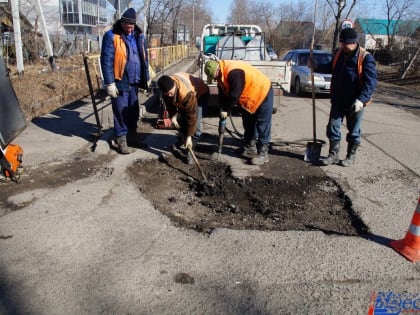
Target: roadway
(96, 245)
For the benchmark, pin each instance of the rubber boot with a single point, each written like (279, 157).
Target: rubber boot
(332, 157)
(132, 138)
(262, 156)
(250, 149)
(122, 145)
(351, 154)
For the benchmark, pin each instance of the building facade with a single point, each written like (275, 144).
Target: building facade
(82, 16)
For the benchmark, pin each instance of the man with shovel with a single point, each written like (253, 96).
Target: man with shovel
(353, 82)
(185, 96)
(242, 84)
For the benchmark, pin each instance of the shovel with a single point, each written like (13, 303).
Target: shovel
(197, 164)
(195, 160)
(313, 148)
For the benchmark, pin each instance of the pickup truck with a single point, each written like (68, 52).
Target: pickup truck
(242, 42)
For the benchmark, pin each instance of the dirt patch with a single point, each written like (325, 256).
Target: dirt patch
(40, 90)
(290, 195)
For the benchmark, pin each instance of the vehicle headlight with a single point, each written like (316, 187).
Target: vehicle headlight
(318, 78)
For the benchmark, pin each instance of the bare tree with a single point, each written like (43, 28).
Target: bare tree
(165, 18)
(195, 14)
(162, 19)
(325, 25)
(338, 8)
(240, 12)
(395, 10)
(265, 15)
(295, 27)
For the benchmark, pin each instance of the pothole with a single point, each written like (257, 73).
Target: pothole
(288, 196)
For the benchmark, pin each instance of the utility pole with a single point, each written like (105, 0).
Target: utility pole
(146, 17)
(193, 24)
(18, 37)
(45, 35)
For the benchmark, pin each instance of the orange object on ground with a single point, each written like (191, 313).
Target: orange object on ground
(13, 155)
(409, 247)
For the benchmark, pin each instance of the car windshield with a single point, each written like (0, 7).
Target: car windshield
(320, 59)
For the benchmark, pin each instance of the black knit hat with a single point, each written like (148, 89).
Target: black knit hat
(165, 83)
(129, 16)
(348, 36)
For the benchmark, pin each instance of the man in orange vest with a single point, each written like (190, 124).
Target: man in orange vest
(353, 82)
(242, 84)
(125, 68)
(185, 96)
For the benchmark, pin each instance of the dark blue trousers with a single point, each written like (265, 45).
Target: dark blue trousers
(257, 126)
(126, 111)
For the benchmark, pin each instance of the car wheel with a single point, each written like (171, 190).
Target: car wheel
(298, 89)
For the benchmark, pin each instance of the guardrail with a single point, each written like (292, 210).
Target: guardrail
(162, 57)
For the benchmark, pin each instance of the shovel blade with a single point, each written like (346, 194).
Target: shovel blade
(313, 152)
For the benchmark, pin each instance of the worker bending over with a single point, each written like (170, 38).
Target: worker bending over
(240, 83)
(185, 96)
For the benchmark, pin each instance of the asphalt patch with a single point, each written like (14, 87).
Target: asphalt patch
(284, 194)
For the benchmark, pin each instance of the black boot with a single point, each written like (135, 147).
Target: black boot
(332, 157)
(351, 154)
(262, 156)
(132, 138)
(134, 141)
(250, 149)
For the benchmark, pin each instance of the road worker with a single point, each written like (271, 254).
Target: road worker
(125, 69)
(353, 82)
(185, 96)
(242, 84)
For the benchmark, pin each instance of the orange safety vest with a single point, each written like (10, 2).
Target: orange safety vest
(187, 83)
(362, 54)
(120, 57)
(256, 86)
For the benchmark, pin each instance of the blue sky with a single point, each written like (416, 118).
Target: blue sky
(220, 8)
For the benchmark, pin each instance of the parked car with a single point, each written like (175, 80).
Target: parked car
(301, 81)
(271, 52)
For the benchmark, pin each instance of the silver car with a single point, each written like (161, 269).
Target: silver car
(301, 81)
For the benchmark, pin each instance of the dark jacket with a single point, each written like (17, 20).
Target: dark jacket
(345, 84)
(188, 90)
(108, 57)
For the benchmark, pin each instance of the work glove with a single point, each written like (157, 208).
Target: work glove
(111, 90)
(188, 143)
(357, 106)
(175, 121)
(223, 115)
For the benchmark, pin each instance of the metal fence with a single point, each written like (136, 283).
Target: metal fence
(162, 57)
